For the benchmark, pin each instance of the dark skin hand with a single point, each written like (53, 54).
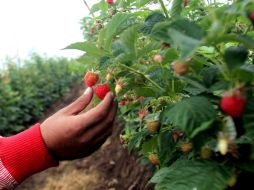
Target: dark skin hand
(70, 134)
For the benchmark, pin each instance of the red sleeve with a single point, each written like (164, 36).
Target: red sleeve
(25, 154)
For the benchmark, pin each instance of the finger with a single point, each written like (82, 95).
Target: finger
(105, 125)
(104, 136)
(81, 103)
(97, 113)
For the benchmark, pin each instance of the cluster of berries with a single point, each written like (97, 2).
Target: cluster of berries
(91, 78)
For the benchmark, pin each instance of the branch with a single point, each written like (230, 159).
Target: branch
(87, 6)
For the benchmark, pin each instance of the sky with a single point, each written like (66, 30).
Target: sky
(43, 26)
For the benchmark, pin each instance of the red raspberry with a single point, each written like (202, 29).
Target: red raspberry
(101, 90)
(233, 104)
(91, 78)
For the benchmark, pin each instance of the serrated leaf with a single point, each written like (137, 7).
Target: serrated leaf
(141, 3)
(129, 38)
(190, 113)
(192, 175)
(247, 41)
(176, 8)
(210, 75)
(182, 33)
(248, 67)
(102, 5)
(186, 44)
(166, 147)
(204, 126)
(148, 48)
(235, 56)
(150, 21)
(248, 117)
(118, 23)
(87, 47)
(194, 86)
(150, 146)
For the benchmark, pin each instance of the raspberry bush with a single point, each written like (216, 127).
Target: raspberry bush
(27, 91)
(188, 65)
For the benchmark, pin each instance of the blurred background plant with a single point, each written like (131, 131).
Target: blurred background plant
(27, 90)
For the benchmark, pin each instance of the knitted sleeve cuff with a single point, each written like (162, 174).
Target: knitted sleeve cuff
(25, 154)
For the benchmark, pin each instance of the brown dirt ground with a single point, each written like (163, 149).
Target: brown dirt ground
(110, 168)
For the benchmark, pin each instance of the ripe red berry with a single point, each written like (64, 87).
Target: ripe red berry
(251, 16)
(91, 78)
(101, 90)
(233, 104)
(122, 102)
(110, 2)
(92, 31)
(142, 113)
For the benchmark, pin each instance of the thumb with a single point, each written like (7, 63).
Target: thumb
(81, 103)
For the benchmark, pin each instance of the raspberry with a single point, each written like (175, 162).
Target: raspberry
(233, 104)
(153, 158)
(153, 126)
(101, 90)
(91, 78)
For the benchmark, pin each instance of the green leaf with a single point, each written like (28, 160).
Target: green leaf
(185, 35)
(194, 86)
(204, 126)
(247, 41)
(235, 56)
(119, 22)
(166, 147)
(248, 117)
(150, 146)
(148, 48)
(192, 174)
(87, 47)
(141, 3)
(186, 44)
(150, 21)
(190, 114)
(101, 6)
(129, 38)
(176, 8)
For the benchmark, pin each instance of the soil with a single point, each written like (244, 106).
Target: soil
(110, 168)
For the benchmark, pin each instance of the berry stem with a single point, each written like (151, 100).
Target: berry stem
(164, 8)
(145, 76)
(87, 6)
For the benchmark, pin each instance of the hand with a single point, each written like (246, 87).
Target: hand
(69, 135)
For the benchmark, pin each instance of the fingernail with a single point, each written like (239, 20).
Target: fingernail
(87, 91)
(111, 94)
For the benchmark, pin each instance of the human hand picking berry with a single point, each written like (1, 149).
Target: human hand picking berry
(68, 134)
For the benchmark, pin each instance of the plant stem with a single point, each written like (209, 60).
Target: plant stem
(143, 75)
(87, 6)
(173, 85)
(164, 8)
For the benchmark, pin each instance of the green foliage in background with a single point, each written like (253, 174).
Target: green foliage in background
(27, 91)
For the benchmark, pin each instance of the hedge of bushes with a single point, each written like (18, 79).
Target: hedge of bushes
(25, 92)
